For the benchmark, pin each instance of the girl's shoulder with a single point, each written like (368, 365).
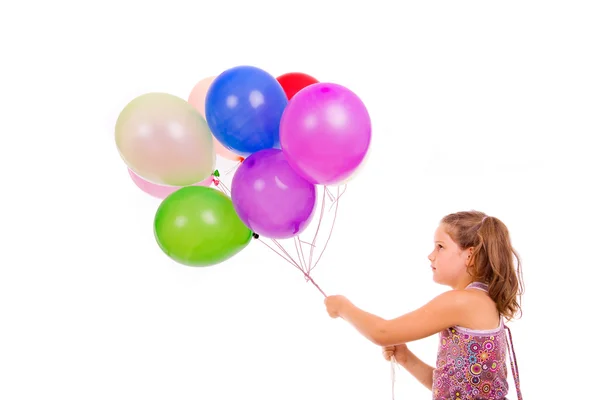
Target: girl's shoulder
(481, 314)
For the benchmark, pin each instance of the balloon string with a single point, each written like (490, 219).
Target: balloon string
(393, 364)
(312, 245)
(300, 253)
(220, 185)
(230, 170)
(290, 260)
(335, 200)
(336, 205)
(302, 265)
(294, 263)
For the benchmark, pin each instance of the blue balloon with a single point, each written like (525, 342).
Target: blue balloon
(243, 109)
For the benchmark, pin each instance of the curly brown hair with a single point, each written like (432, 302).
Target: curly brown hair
(494, 261)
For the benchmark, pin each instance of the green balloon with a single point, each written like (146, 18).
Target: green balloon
(198, 226)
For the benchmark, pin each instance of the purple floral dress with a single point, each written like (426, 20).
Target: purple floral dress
(471, 364)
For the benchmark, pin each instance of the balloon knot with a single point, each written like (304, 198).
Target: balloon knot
(216, 173)
(255, 235)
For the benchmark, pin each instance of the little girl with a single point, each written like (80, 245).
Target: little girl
(473, 255)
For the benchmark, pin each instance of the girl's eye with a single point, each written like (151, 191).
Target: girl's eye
(439, 246)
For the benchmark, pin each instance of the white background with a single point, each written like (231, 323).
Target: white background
(474, 106)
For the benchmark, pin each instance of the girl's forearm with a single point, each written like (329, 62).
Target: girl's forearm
(419, 369)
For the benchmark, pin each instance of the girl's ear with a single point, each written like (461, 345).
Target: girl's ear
(469, 255)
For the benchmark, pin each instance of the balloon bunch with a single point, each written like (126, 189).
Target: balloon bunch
(290, 137)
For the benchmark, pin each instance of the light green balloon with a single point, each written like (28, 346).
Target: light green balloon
(198, 226)
(165, 140)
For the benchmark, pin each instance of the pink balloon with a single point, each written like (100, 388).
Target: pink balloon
(197, 99)
(161, 191)
(325, 133)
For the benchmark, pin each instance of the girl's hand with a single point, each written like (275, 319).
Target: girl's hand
(334, 305)
(399, 351)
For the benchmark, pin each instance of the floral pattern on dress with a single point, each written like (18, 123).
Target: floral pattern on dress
(471, 365)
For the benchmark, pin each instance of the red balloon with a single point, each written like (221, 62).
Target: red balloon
(293, 82)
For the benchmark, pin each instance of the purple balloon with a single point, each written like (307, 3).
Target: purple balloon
(270, 197)
(325, 133)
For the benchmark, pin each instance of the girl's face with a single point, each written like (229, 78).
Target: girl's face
(448, 261)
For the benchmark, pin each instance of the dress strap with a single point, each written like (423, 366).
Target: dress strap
(477, 285)
(513, 363)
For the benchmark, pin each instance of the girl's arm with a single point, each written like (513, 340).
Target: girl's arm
(418, 368)
(448, 309)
